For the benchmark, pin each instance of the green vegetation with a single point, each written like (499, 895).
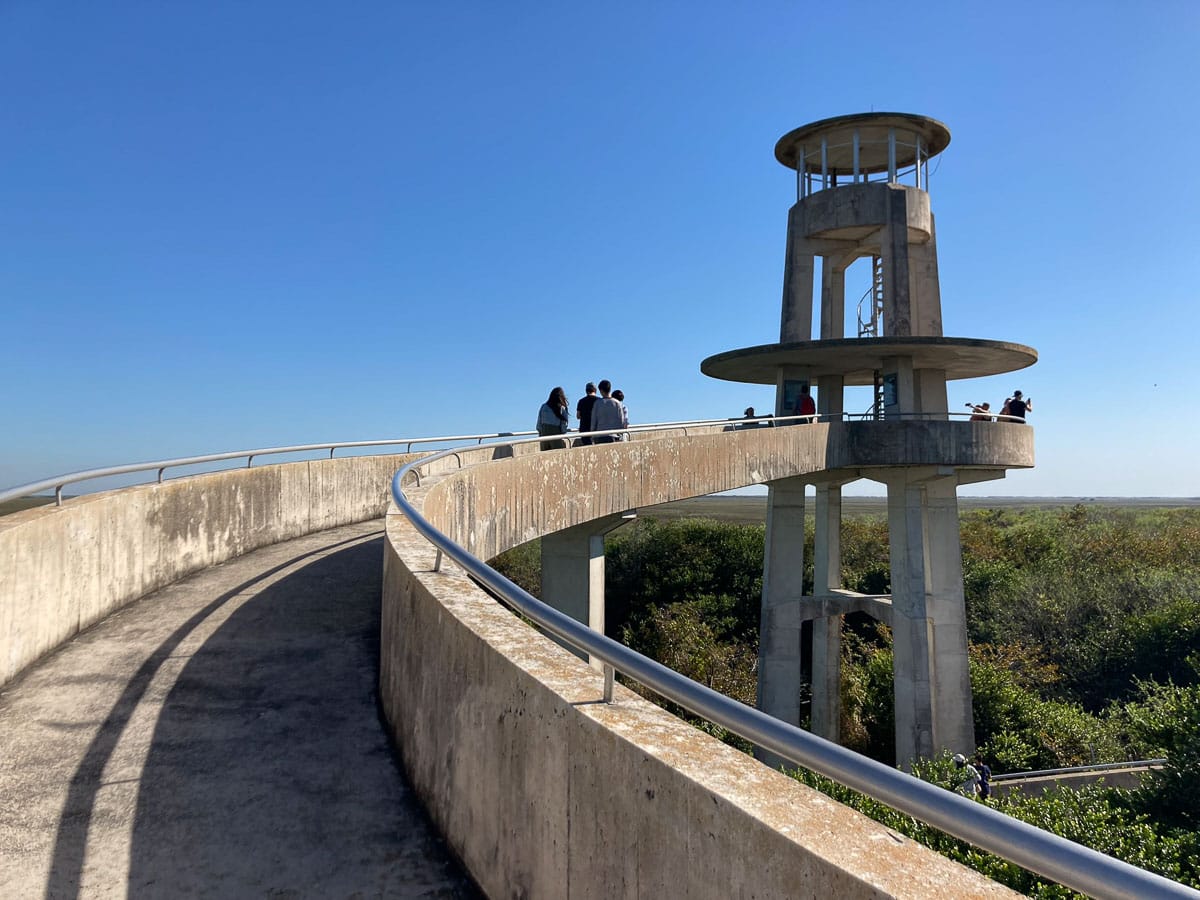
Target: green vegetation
(21, 503)
(1084, 625)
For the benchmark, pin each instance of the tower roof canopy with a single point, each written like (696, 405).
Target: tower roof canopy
(838, 134)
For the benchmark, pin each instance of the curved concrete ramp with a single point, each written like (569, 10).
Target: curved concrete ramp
(219, 737)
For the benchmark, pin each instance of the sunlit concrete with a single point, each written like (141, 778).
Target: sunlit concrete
(541, 788)
(219, 737)
(64, 568)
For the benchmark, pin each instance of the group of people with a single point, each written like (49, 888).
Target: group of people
(977, 778)
(804, 405)
(1015, 408)
(605, 412)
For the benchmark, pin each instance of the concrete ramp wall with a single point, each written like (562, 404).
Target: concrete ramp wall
(64, 568)
(541, 788)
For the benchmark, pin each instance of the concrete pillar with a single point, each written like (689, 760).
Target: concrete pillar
(573, 570)
(779, 682)
(901, 397)
(894, 252)
(953, 717)
(932, 675)
(929, 392)
(798, 273)
(833, 296)
(925, 294)
(912, 629)
(827, 632)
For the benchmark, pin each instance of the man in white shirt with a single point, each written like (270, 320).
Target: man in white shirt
(606, 414)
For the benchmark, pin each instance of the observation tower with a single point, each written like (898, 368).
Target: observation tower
(862, 193)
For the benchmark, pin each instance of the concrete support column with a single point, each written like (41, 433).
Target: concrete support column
(929, 390)
(799, 269)
(932, 674)
(573, 570)
(779, 681)
(953, 716)
(833, 295)
(912, 628)
(827, 632)
(894, 253)
(901, 399)
(925, 295)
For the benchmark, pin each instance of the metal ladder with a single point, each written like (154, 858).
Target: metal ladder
(870, 326)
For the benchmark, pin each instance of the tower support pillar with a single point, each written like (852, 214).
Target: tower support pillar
(932, 679)
(573, 571)
(779, 651)
(827, 632)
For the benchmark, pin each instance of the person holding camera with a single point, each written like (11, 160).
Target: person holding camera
(980, 413)
(1016, 406)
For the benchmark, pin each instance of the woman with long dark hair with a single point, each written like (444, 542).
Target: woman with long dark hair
(553, 418)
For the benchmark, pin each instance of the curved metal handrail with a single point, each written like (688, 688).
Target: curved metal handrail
(1079, 868)
(58, 482)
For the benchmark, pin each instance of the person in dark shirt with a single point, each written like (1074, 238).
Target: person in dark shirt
(583, 411)
(985, 777)
(1017, 406)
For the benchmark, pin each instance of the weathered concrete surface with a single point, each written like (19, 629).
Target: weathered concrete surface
(491, 508)
(543, 790)
(219, 738)
(63, 568)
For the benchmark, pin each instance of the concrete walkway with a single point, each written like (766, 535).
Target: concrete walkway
(219, 738)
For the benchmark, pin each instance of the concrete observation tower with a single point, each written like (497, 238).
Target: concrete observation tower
(862, 192)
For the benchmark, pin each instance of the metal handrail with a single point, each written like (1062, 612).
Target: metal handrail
(1082, 770)
(58, 482)
(1079, 868)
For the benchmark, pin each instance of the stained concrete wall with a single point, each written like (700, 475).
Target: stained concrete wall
(64, 568)
(541, 788)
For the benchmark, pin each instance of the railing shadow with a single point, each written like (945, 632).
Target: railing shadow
(268, 765)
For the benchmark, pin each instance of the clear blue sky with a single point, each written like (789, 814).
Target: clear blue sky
(227, 225)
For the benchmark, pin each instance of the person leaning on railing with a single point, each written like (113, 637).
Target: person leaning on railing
(553, 418)
(607, 415)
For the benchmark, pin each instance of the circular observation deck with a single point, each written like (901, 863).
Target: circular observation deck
(855, 147)
(858, 359)
(872, 129)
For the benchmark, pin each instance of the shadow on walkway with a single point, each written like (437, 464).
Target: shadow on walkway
(269, 772)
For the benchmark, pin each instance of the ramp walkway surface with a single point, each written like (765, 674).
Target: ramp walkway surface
(219, 737)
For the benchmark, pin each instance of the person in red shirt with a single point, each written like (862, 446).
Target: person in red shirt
(806, 406)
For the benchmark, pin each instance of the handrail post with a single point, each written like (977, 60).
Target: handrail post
(249, 460)
(58, 495)
(161, 469)
(609, 674)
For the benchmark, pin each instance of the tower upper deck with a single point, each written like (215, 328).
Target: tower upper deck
(853, 148)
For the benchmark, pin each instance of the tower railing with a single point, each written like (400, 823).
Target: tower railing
(58, 482)
(814, 174)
